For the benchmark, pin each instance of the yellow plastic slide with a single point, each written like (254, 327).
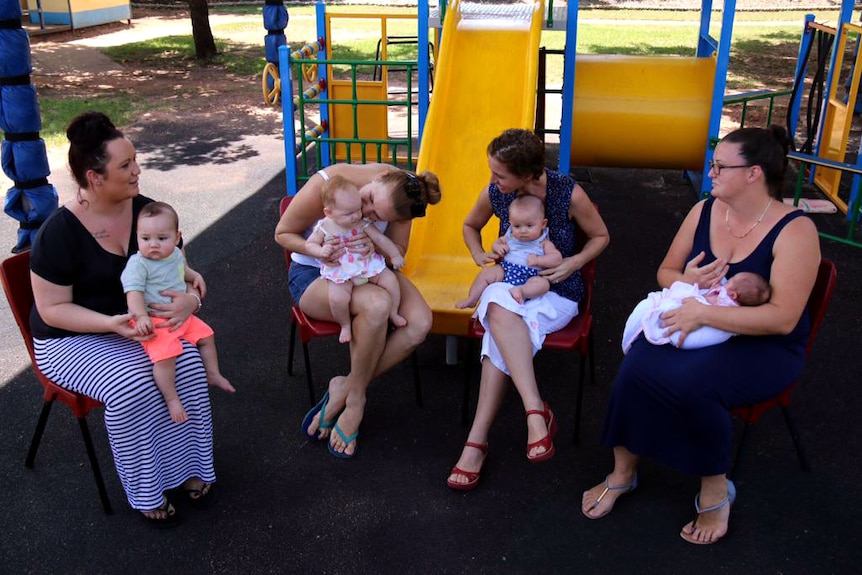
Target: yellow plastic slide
(485, 82)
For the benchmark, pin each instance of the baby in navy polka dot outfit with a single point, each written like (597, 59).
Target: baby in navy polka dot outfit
(525, 249)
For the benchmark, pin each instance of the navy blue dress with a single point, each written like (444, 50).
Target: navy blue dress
(672, 404)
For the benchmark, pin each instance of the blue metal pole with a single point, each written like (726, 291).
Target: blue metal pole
(288, 120)
(569, 55)
(424, 58)
(721, 66)
(801, 69)
(706, 45)
(320, 11)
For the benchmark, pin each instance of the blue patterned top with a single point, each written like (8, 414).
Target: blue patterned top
(562, 230)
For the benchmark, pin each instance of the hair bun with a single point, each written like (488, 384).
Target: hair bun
(780, 134)
(90, 129)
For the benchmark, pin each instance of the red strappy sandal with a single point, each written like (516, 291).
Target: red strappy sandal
(546, 442)
(472, 476)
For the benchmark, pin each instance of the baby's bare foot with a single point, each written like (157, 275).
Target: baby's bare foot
(177, 411)
(398, 320)
(517, 294)
(465, 303)
(345, 335)
(219, 381)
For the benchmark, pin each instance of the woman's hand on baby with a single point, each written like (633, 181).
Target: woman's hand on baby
(706, 276)
(561, 272)
(683, 320)
(124, 326)
(178, 311)
(360, 244)
(482, 259)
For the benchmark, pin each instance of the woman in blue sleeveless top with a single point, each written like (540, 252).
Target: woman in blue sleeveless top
(514, 332)
(672, 404)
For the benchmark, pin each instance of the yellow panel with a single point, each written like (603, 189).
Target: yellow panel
(837, 121)
(485, 82)
(641, 111)
(372, 118)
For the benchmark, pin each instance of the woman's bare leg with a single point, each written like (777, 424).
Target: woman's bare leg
(625, 470)
(315, 304)
(492, 390)
(370, 306)
(387, 280)
(403, 340)
(397, 345)
(513, 340)
(370, 309)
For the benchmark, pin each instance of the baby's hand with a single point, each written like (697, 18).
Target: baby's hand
(500, 247)
(125, 326)
(199, 284)
(326, 251)
(397, 262)
(143, 325)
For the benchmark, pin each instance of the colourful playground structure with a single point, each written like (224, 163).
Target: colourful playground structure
(617, 111)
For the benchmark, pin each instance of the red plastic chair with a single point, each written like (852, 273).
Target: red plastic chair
(818, 303)
(15, 275)
(312, 328)
(576, 336)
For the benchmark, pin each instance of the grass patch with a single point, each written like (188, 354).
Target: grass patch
(694, 15)
(56, 114)
(178, 52)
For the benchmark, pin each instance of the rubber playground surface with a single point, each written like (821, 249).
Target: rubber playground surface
(287, 506)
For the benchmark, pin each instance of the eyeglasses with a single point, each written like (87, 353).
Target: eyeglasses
(717, 168)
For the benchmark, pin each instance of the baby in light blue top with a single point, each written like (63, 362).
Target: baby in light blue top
(159, 267)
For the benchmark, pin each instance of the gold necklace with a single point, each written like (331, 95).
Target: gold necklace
(754, 225)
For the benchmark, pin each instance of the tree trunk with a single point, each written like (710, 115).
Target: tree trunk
(205, 48)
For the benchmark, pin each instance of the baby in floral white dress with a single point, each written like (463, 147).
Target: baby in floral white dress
(342, 207)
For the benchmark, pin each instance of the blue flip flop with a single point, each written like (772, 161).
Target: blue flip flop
(345, 439)
(309, 417)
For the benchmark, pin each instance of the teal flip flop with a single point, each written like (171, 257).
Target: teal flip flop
(309, 417)
(345, 439)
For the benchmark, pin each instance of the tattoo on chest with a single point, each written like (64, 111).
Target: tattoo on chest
(101, 235)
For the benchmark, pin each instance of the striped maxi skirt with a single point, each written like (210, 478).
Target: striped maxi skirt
(152, 453)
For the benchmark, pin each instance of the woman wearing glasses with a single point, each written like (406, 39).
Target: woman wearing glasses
(391, 197)
(672, 404)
